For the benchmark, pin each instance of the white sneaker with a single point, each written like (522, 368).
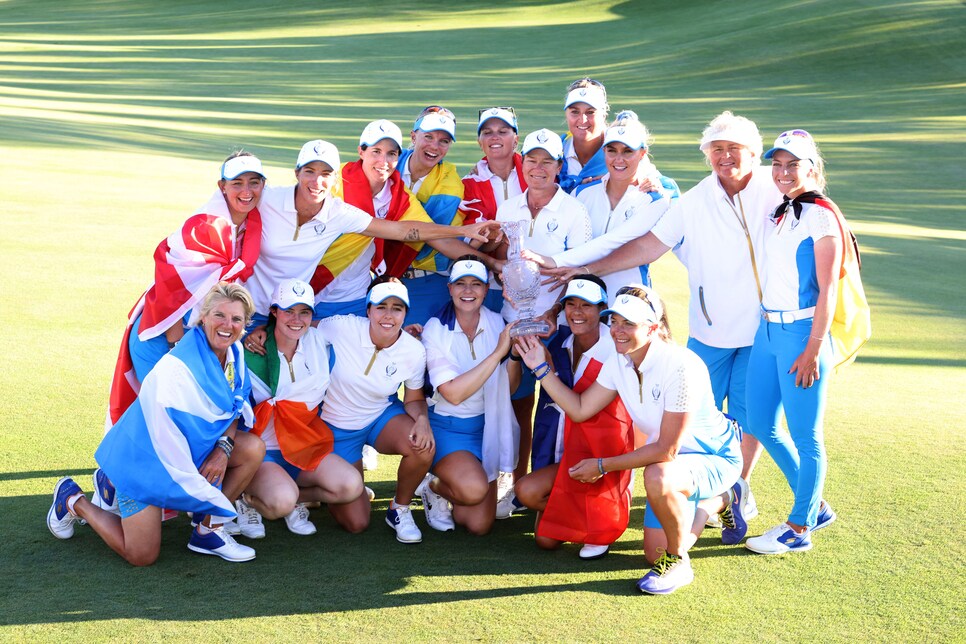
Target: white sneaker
(221, 544)
(400, 519)
(249, 520)
(439, 513)
(590, 551)
(504, 484)
(370, 458)
(779, 540)
(60, 521)
(104, 495)
(714, 522)
(507, 505)
(370, 493)
(298, 521)
(231, 527)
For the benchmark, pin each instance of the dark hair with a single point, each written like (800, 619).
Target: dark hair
(663, 326)
(590, 277)
(382, 279)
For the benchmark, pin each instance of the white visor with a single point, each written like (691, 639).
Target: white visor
(468, 268)
(592, 95)
(635, 309)
(382, 292)
(586, 290)
(237, 166)
(436, 122)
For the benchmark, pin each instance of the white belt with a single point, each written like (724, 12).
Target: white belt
(787, 317)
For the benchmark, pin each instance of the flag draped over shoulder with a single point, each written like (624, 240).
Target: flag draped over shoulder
(186, 265)
(596, 167)
(440, 193)
(479, 201)
(303, 438)
(354, 189)
(153, 452)
(597, 512)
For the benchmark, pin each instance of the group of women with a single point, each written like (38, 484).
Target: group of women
(265, 358)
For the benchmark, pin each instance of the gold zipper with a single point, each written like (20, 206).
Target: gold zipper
(372, 360)
(640, 380)
(291, 370)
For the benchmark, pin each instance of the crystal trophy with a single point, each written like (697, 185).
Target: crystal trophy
(521, 281)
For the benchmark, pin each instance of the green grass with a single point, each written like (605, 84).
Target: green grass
(114, 117)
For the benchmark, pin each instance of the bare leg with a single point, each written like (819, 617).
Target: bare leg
(137, 538)
(272, 491)
(668, 487)
(523, 409)
(533, 490)
(394, 439)
(461, 479)
(544, 543)
(333, 481)
(751, 450)
(245, 460)
(354, 515)
(478, 519)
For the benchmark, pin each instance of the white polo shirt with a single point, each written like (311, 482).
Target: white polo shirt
(670, 378)
(790, 279)
(304, 379)
(635, 215)
(292, 251)
(359, 391)
(562, 224)
(450, 353)
(572, 164)
(704, 230)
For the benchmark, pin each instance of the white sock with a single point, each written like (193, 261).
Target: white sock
(72, 500)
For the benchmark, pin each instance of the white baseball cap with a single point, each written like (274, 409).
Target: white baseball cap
(630, 132)
(237, 166)
(586, 290)
(470, 268)
(591, 94)
(505, 114)
(545, 140)
(646, 310)
(436, 122)
(796, 142)
(379, 130)
(292, 292)
(318, 150)
(383, 291)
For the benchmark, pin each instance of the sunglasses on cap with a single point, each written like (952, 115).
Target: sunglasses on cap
(801, 133)
(642, 295)
(437, 109)
(493, 109)
(582, 82)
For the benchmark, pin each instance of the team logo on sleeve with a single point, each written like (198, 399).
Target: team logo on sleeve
(656, 392)
(391, 370)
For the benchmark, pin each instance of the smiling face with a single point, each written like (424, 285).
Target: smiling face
(622, 161)
(386, 320)
(582, 316)
(293, 323)
(585, 122)
(242, 193)
(429, 148)
(629, 338)
(497, 139)
(224, 325)
(540, 169)
(379, 160)
(730, 161)
(792, 175)
(315, 180)
(467, 294)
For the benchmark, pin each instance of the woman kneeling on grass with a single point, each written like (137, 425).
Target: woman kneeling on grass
(594, 515)
(299, 464)
(171, 448)
(692, 454)
(472, 420)
(372, 358)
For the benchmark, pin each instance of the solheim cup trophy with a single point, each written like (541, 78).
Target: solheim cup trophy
(521, 281)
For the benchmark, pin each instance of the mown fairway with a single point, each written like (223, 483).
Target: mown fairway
(115, 117)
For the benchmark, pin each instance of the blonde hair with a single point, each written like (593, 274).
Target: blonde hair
(228, 292)
(629, 118)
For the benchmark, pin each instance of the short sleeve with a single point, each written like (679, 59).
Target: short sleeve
(439, 359)
(418, 374)
(682, 387)
(609, 374)
(356, 219)
(336, 326)
(669, 229)
(821, 223)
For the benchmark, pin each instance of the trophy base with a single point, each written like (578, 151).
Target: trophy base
(528, 327)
